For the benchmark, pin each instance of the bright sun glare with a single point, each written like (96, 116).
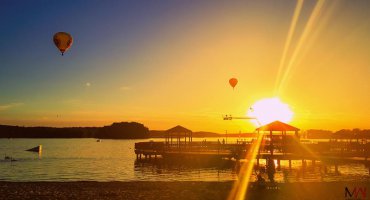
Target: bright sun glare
(270, 109)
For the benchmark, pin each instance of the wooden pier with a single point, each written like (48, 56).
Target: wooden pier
(179, 145)
(326, 151)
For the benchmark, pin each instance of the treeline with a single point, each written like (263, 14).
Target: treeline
(352, 134)
(121, 130)
(341, 134)
(318, 134)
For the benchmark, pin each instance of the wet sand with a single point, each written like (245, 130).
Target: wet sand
(169, 190)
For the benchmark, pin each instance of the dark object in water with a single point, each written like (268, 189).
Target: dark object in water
(9, 158)
(37, 149)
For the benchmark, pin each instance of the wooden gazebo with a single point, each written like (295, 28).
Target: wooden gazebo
(178, 132)
(280, 129)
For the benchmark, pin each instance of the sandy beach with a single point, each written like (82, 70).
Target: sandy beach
(168, 190)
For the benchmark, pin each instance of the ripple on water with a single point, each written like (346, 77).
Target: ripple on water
(114, 160)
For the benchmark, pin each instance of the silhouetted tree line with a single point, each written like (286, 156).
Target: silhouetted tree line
(121, 130)
(341, 134)
(319, 134)
(125, 130)
(352, 134)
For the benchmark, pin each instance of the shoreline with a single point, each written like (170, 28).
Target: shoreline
(170, 190)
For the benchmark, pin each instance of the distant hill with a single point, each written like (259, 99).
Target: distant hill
(124, 130)
(206, 134)
(135, 130)
(243, 135)
(121, 130)
(352, 134)
(319, 134)
(161, 134)
(156, 134)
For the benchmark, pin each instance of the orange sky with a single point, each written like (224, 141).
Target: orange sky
(177, 71)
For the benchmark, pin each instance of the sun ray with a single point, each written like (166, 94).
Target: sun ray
(306, 31)
(324, 20)
(297, 12)
(308, 150)
(240, 187)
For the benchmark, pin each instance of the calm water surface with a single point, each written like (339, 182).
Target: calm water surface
(115, 160)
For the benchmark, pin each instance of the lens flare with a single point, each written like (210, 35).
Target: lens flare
(297, 12)
(314, 17)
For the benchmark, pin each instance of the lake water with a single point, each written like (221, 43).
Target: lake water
(115, 160)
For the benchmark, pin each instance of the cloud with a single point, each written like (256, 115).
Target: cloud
(10, 106)
(125, 88)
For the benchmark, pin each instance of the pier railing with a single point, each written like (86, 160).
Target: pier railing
(240, 149)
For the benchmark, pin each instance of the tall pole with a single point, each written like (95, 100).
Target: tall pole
(271, 144)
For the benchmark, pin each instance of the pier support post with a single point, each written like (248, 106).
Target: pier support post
(290, 164)
(313, 162)
(304, 164)
(278, 162)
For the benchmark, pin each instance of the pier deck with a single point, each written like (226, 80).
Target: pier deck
(324, 151)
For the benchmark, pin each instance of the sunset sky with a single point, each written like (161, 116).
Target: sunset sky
(164, 63)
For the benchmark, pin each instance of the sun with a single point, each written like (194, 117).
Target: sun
(270, 109)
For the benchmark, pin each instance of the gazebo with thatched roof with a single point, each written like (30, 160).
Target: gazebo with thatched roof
(178, 132)
(281, 128)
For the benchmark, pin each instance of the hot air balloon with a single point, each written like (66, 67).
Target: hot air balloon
(63, 41)
(233, 82)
